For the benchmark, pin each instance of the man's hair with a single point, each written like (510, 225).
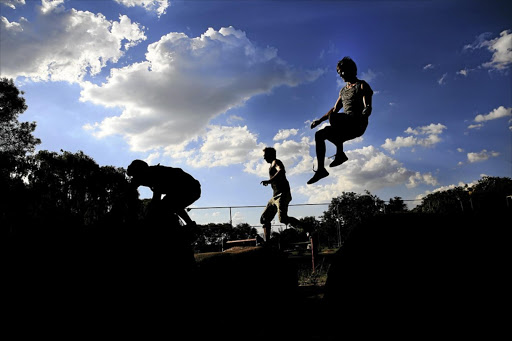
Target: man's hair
(270, 151)
(348, 66)
(136, 167)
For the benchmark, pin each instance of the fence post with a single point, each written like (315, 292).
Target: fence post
(312, 251)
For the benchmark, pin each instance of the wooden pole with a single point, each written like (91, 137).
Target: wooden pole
(312, 252)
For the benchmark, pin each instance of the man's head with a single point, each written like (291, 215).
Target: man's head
(269, 154)
(137, 168)
(347, 68)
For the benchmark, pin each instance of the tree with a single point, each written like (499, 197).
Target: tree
(444, 202)
(396, 205)
(16, 137)
(69, 192)
(211, 236)
(491, 193)
(242, 231)
(488, 194)
(16, 140)
(347, 211)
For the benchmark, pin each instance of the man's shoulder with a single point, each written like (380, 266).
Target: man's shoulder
(278, 163)
(159, 169)
(365, 86)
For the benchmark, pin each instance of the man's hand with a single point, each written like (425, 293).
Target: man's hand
(315, 123)
(367, 111)
(265, 182)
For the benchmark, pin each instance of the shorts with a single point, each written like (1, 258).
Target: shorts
(277, 204)
(185, 198)
(342, 128)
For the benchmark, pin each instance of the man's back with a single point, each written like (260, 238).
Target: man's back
(169, 179)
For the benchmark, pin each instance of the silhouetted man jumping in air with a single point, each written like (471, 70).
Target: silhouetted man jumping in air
(179, 187)
(356, 98)
(281, 194)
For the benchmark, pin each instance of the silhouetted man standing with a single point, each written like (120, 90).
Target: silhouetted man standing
(179, 187)
(281, 194)
(356, 98)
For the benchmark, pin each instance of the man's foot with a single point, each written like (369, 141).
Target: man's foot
(319, 174)
(339, 159)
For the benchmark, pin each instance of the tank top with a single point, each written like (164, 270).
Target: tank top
(352, 98)
(280, 185)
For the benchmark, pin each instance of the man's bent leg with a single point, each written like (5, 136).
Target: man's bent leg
(266, 219)
(182, 213)
(266, 232)
(320, 137)
(340, 157)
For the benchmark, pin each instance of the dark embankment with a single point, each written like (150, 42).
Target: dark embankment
(421, 272)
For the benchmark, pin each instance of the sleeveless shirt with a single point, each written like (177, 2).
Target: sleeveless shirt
(280, 185)
(352, 98)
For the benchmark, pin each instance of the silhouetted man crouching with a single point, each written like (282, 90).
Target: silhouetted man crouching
(180, 188)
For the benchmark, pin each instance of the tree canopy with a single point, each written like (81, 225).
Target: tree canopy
(68, 191)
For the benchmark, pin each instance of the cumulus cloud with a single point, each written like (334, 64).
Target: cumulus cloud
(500, 47)
(367, 169)
(495, 114)
(425, 136)
(51, 5)
(481, 156)
(224, 146)
(294, 155)
(64, 45)
(283, 134)
(12, 3)
(157, 6)
(185, 82)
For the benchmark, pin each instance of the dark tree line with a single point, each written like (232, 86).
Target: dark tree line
(68, 192)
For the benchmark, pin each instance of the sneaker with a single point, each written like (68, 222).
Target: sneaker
(339, 159)
(319, 174)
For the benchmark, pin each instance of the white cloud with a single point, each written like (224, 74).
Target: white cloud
(425, 136)
(184, 83)
(224, 146)
(234, 118)
(464, 72)
(367, 169)
(51, 5)
(283, 134)
(475, 126)
(428, 67)
(501, 48)
(294, 155)
(495, 114)
(64, 45)
(502, 51)
(481, 156)
(157, 6)
(368, 75)
(12, 3)
(442, 80)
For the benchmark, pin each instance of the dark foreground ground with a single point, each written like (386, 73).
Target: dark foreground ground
(404, 275)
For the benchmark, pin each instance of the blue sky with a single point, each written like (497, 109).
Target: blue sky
(205, 85)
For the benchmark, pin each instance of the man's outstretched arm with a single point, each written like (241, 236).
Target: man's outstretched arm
(337, 107)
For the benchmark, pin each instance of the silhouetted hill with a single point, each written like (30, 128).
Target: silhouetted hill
(425, 272)
(393, 274)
